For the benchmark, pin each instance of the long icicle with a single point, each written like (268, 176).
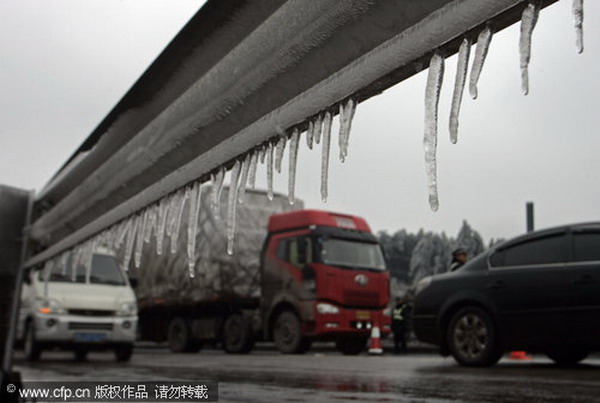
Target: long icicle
(177, 222)
(346, 115)
(578, 15)
(133, 230)
(432, 97)
(244, 178)
(139, 243)
(232, 205)
(195, 200)
(163, 212)
(253, 168)
(279, 152)
(217, 188)
(318, 128)
(327, 119)
(462, 67)
(310, 134)
(483, 44)
(293, 158)
(270, 171)
(528, 21)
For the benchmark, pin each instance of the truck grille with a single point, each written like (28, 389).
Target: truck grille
(91, 312)
(90, 326)
(361, 298)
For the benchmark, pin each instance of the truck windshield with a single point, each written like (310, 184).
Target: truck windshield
(354, 254)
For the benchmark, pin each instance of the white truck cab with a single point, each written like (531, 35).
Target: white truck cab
(89, 309)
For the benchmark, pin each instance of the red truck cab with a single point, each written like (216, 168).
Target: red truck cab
(323, 278)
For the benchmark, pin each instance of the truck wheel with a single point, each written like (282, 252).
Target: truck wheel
(471, 338)
(566, 356)
(32, 347)
(288, 334)
(351, 345)
(180, 338)
(237, 335)
(124, 353)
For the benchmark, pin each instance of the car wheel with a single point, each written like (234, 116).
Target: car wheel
(471, 337)
(32, 348)
(351, 345)
(237, 335)
(124, 353)
(288, 334)
(566, 355)
(180, 338)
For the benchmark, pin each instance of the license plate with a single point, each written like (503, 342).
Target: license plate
(90, 337)
(363, 315)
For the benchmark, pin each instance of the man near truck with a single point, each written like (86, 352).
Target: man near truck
(400, 317)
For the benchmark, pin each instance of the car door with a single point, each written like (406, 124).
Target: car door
(527, 284)
(583, 280)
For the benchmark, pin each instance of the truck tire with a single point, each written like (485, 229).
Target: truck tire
(180, 339)
(471, 337)
(32, 348)
(124, 353)
(351, 345)
(237, 335)
(287, 334)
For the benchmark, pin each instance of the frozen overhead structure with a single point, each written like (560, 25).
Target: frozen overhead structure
(240, 81)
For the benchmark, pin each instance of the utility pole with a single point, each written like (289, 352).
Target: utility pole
(529, 212)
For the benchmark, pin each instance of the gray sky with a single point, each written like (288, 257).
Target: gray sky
(66, 63)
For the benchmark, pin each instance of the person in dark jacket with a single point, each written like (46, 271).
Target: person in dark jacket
(459, 258)
(400, 319)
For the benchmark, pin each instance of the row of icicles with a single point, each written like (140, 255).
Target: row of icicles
(164, 217)
(436, 74)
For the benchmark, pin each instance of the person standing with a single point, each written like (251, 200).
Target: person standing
(459, 258)
(400, 318)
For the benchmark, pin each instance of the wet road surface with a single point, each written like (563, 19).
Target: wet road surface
(327, 376)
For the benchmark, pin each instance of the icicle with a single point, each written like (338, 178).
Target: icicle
(177, 222)
(459, 86)
(244, 178)
(318, 128)
(310, 133)
(325, 154)
(432, 97)
(64, 261)
(139, 244)
(124, 229)
(528, 21)
(483, 44)
(217, 189)
(134, 229)
(346, 115)
(578, 15)
(89, 249)
(194, 210)
(263, 153)
(231, 205)
(163, 212)
(253, 167)
(293, 158)
(279, 153)
(150, 224)
(173, 213)
(270, 172)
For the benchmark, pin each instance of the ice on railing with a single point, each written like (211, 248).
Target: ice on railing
(318, 128)
(293, 157)
(346, 115)
(327, 120)
(178, 216)
(217, 188)
(483, 44)
(253, 168)
(310, 134)
(163, 212)
(462, 67)
(270, 171)
(194, 210)
(244, 177)
(279, 152)
(528, 21)
(232, 205)
(578, 16)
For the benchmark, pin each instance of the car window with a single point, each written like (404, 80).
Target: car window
(297, 251)
(550, 249)
(586, 246)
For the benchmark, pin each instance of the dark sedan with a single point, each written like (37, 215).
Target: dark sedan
(539, 292)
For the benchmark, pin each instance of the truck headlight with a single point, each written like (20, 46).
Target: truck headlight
(50, 306)
(324, 308)
(127, 309)
(422, 284)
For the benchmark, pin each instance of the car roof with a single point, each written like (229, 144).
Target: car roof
(547, 231)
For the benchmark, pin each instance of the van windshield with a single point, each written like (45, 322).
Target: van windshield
(352, 254)
(105, 270)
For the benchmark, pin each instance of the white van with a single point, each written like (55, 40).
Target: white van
(82, 311)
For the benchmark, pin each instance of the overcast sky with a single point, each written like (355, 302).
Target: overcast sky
(66, 63)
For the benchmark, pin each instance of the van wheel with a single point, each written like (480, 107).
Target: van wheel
(32, 348)
(566, 356)
(237, 335)
(180, 338)
(351, 345)
(287, 333)
(124, 353)
(80, 354)
(472, 338)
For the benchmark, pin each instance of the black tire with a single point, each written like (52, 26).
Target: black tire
(180, 339)
(351, 345)
(567, 356)
(472, 338)
(124, 353)
(31, 347)
(237, 334)
(287, 334)
(80, 354)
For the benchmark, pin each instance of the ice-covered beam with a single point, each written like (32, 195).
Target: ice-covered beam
(303, 58)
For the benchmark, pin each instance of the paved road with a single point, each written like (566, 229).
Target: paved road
(326, 376)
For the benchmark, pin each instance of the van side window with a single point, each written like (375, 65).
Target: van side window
(549, 249)
(586, 246)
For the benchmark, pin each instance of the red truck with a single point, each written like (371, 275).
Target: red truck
(320, 276)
